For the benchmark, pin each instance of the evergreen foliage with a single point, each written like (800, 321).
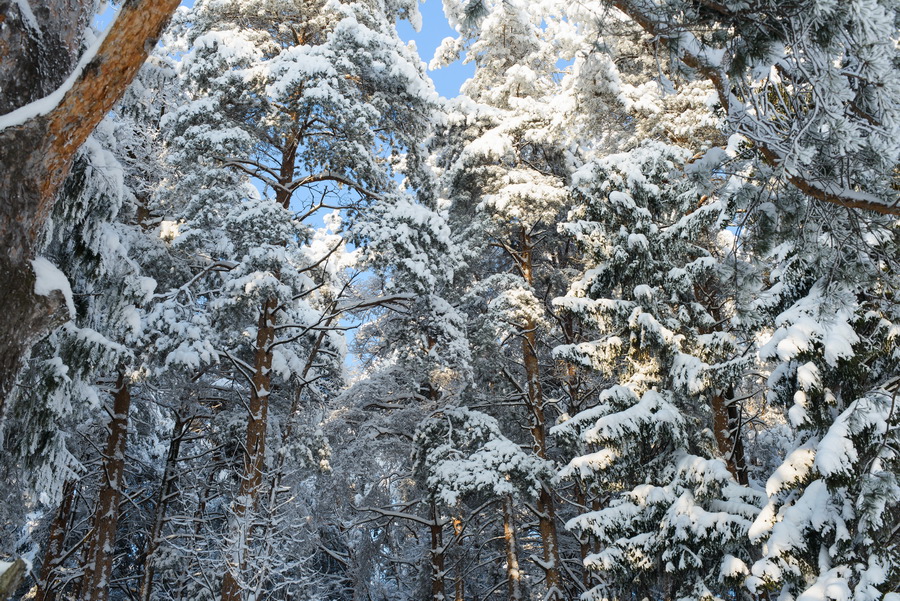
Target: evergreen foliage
(618, 322)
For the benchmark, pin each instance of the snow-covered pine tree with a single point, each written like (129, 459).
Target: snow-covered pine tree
(676, 520)
(811, 84)
(504, 161)
(286, 118)
(828, 529)
(468, 465)
(416, 361)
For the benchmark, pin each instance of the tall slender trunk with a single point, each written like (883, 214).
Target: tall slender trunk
(55, 542)
(513, 573)
(727, 428)
(205, 494)
(460, 584)
(535, 401)
(254, 451)
(437, 555)
(166, 493)
(97, 577)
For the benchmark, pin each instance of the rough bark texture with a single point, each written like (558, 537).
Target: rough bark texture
(535, 402)
(11, 578)
(38, 56)
(55, 542)
(99, 557)
(36, 156)
(254, 450)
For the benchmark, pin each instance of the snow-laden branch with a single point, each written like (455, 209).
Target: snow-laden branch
(402, 516)
(708, 62)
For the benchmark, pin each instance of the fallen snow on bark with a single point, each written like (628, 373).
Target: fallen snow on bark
(48, 278)
(32, 22)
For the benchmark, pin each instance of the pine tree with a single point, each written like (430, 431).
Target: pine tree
(810, 85)
(653, 287)
(831, 359)
(284, 120)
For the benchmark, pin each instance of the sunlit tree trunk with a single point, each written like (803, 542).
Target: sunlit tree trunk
(513, 573)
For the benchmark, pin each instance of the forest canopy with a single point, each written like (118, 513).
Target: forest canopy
(618, 321)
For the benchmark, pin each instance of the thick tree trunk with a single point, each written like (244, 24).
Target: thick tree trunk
(55, 542)
(513, 573)
(99, 557)
(38, 144)
(284, 194)
(166, 493)
(38, 55)
(535, 402)
(254, 451)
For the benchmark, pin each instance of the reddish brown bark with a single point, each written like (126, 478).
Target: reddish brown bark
(55, 541)
(284, 194)
(99, 556)
(37, 155)
(534, 400)
(255, 448)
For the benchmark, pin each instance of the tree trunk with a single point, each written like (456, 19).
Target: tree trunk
(584, 540)
(55, 542)
(460, 584)
(166, 493)
(513, 573)
(437, 555)
(254, 451)
(99, 557)
(535, 402)
(283, 194)
(37, 146)
(727, 428)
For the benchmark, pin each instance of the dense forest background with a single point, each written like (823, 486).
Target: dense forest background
(619, 322)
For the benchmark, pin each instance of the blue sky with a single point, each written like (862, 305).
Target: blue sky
(434, 29)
